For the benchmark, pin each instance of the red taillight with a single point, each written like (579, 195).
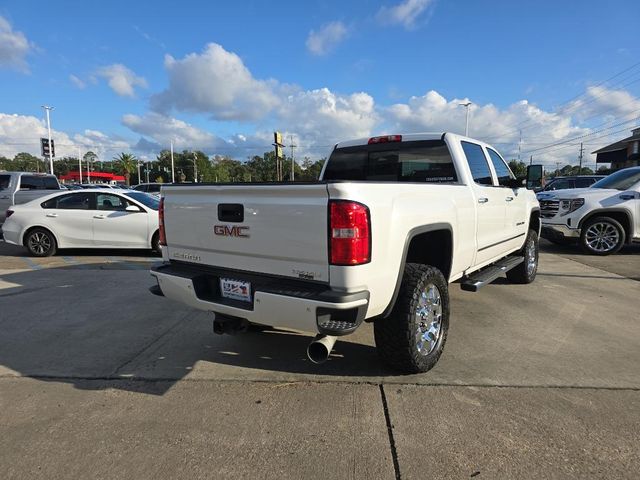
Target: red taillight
(349, 233)
(385, 139)
(163, 237)
(9, 213)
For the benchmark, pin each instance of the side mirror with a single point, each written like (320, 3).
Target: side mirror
(534, 176)
(133, 209)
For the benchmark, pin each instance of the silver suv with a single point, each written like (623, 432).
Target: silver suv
(22, 187)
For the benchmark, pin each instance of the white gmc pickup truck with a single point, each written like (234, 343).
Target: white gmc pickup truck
(392, 221)
(602, 218)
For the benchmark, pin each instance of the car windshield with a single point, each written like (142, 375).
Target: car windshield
(4, 181)
(147, 200)
(620, 180)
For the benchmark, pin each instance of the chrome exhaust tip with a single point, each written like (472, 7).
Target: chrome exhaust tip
(320, 348)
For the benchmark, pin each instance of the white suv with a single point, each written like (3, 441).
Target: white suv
(602, 218)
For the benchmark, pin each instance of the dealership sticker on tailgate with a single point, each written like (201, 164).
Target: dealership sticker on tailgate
(235, 289)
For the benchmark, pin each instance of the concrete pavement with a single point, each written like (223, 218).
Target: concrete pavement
(100, 379)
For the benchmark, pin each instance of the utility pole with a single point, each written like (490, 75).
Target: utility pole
(293, 162)
(519, 145)
(48, 109)
(139, 179)
(147, 171)
(531, 160)
(557, 168)
(173, 174)
(580, 157)
(195, 167)
(80, 164)
(466, 125)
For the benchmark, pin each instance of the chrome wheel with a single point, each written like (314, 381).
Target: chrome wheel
(602, 237)
(531, 258)
(39, 243)
(428, 319)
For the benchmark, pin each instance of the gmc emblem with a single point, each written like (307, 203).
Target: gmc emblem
(230, 231)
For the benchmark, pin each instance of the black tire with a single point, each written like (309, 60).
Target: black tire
(527, 270)
(602, 236)
(155, 244)
(397, 338)
(40, 242)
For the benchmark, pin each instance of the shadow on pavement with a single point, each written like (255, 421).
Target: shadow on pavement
(102, 329)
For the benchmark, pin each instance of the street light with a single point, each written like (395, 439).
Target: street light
(466, 126)
(195, 168)
(47, 108)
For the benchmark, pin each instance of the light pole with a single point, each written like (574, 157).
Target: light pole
(466, 125)
(173, 170)
(47, 108)
(195, 168)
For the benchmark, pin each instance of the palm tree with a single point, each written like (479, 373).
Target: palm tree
(127, 164)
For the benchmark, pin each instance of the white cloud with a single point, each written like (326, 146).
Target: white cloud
(77, 82)
(121, 79)
(215, 82)
(434, 113)
(22, 133)
(327, 38)
(602, 102)
(405, 13)
(14, 47)
(322, 117)
(163, 129)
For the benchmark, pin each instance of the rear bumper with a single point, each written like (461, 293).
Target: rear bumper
(10, 231)
(275, 302)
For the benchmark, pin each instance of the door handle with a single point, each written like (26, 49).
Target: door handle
(52, 215)
(483, 200)
(509, 199)
(627, 196)
(5, 197)
(99, 216)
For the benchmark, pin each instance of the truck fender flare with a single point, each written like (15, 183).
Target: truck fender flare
(403, 260)
(604, 211)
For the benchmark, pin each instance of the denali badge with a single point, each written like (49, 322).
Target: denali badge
(230, 231)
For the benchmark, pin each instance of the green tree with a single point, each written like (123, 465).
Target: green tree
(519, 169)
(127, 163)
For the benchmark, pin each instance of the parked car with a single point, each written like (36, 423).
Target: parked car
(22, 187)
(152, 188)
(93, 218)
(601, 218)
(392, 221)
(575, 181)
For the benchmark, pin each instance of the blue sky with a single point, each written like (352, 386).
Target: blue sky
(221, 76)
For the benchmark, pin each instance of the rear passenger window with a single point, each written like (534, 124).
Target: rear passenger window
(31, 182)
(502, 171)
(477, 163)
(4, 181)
(72, 201)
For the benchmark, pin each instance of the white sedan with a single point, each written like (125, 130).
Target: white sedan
(93, 218)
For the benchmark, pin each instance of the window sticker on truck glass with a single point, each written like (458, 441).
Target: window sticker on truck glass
(235, 289)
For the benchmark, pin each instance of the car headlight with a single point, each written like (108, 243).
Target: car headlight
(568, 206)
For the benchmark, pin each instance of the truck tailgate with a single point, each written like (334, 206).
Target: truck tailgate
(272, 229)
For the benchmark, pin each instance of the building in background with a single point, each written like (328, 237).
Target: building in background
(96, 177)
(622, 154)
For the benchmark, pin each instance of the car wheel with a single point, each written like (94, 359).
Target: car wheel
(527, 270)
(412, 338)
(602, 236)
(40, 243)
(155, 243)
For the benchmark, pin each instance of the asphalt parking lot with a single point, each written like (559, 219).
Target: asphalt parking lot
(100, 379)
